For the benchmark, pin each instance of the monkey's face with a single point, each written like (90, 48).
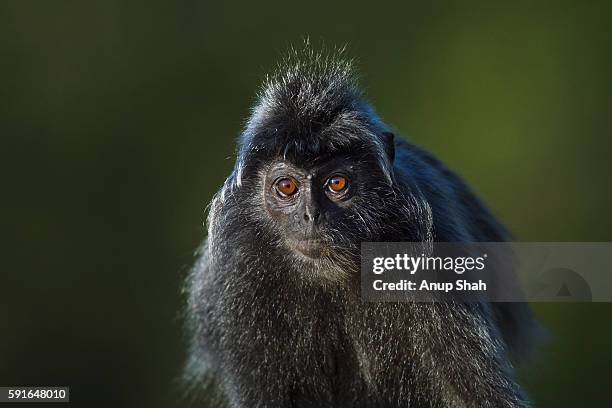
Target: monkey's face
(321, 209)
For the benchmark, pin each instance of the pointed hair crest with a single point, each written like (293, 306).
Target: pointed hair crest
(310, 106)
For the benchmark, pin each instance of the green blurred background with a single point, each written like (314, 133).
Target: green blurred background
(118, 122)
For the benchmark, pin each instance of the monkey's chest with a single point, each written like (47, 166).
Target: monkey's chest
(334, 354)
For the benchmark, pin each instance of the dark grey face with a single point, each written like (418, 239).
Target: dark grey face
(305, 203)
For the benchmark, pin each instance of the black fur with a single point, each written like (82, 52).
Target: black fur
(277, 330)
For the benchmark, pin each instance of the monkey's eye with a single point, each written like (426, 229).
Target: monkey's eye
(286, 187)
(337, 184)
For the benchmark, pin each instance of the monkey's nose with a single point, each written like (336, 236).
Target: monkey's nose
(312, 215)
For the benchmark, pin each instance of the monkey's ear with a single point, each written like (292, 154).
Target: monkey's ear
(388, 139)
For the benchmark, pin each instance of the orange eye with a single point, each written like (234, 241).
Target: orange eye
(286, 187)
(337, 184)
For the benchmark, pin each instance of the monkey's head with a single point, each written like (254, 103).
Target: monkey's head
(315, 166)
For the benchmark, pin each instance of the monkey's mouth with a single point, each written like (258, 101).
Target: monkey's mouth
(311, 248)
